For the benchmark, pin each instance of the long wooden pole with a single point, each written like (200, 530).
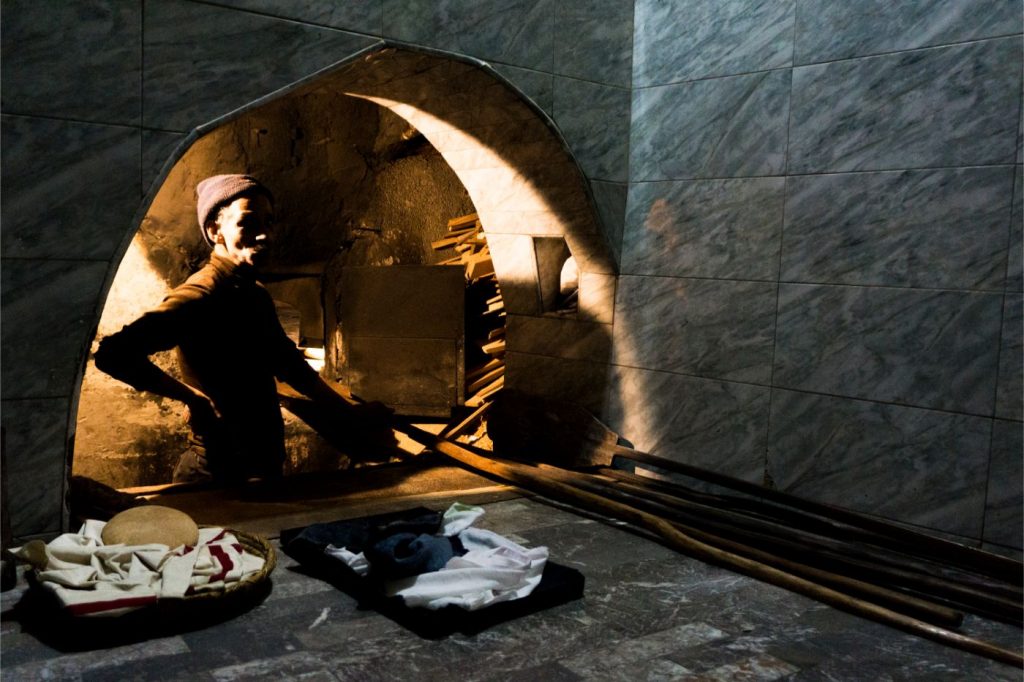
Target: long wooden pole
(815, 523)
(820, 525)
(520, 474)
(812, 550)
(905, 566)
(975, 559)
(910, 605)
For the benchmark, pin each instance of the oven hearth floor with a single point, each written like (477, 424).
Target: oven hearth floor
(648, 613)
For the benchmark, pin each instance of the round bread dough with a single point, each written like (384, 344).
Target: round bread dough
(151, 524)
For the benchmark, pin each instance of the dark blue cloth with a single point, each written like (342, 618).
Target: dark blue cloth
(404, 554)
(356, 535)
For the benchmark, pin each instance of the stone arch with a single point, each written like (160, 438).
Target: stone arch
(517, 169)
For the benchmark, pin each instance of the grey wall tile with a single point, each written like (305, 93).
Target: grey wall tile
(536, 85)
(70, 188)
(932, 349)
(36, 440)
(718, 329)
(80, 60)
(1014, 268)
(929, 228)
(593, 40)
(1020, 137)
(576, 381)
(564, 338)
(913, 465)
(48, 309)
(945, 106)
(705, 228)
(610, 202)
(828, 30)
(516, 32)
(594, 119)
(712, 424)
(688, 39)
(157, 148)
(723, 127)
(362, 16)
(202, 61)
(1010, 389)
(1003, 510)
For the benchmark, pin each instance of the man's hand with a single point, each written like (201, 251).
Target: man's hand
(202, 414)
(373, 415)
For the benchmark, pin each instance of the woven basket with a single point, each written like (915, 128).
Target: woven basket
(253, 544)
(42, 615)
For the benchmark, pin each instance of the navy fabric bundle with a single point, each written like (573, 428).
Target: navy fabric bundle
(398, 549)
(558, 585)
(404, 554)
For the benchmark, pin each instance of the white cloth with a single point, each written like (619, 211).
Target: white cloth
(458, 518)
(90, 578)
(357, 562)
(494, 569)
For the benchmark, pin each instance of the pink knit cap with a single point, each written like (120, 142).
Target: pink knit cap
(217, 190)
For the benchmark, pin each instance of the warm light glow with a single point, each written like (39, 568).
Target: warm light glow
(136, 289)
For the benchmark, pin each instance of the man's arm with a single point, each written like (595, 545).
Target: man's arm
(296, 372)
(125, 356)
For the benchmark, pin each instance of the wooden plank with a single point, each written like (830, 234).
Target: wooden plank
(404, 301)
(489, 390)
(453, 432)
(480, 265)
(455, 239)
(479, 371)
(498, 332)
(412, 375)
(486, 393)
(471, 235)
(463, 221)
(486, 379)
(494, 347)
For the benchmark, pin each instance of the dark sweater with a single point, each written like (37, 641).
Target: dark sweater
(230, 346)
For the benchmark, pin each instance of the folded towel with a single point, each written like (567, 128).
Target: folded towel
(90, 578)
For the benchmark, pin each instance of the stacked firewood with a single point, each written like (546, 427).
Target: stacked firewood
(485, 356)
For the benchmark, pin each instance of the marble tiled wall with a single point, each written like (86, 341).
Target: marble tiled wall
(95, 95)
(815, 206)
(821, 260)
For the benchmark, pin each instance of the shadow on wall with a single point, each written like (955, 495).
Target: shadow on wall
(377, 185)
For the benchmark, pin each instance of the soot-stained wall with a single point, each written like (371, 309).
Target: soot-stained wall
(352, 181)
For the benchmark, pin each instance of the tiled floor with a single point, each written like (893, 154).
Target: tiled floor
(648, 614)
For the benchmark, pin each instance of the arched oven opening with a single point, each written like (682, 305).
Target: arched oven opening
(423, 203)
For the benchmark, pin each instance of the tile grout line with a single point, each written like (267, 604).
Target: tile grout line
(794, 65)
(793, 389)
(827, 173)
(767, 480)
(894, 287)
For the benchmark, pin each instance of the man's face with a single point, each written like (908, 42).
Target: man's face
(244, 230)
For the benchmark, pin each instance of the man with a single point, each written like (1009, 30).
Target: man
(230, 346)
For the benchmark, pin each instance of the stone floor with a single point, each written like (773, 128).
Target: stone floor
(648, 613)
